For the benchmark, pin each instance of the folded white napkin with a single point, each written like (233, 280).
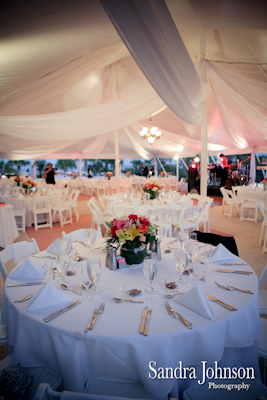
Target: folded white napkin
(170, 242)
(100, 242)
(55, 248)
(197, 301)
(48, 296)
(221, 253)
(27, 272)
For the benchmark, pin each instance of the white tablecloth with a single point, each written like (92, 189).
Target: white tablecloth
(115, 349)
(8, 227)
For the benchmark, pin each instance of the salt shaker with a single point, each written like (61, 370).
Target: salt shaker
(113, 259)
(158, 249)
(108, 254)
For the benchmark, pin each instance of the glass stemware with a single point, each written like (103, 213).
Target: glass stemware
(180, 259)
(192, 252)
(150, 270)
(91, 238)
(183, 238)
(94, 270)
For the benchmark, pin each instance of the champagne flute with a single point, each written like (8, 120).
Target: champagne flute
(91, 238)
(150, 270)
(180, 258)
(94, 270)
(183, 238)
(86, 283)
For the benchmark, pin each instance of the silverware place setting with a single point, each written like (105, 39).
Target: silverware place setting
(174, 314)
(49, 317)
(28, 297)
(147, 319)
(233, 288)
(95, 315)
(233, 271)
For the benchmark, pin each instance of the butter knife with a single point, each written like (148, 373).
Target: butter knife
(33, 283)
(142, 326)
(28, 297)
(221, 303)
(148, 316)
(62, 310)
(232, 271)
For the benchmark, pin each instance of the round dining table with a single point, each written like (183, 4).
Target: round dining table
(8, 226)
(114, 348)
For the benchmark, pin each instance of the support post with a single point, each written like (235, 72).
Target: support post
(252, 171)
(80, 165)
(117, 161)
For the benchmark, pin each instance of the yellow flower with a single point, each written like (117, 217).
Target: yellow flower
(155, 189)
(133, 232)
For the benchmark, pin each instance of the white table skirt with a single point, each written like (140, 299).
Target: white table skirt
(8, 227)
(115, 349)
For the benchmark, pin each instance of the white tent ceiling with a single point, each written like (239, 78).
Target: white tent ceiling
(67, 81)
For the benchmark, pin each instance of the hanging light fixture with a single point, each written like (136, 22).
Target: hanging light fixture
(151, 133)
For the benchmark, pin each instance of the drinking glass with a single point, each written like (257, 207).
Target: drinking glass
(94, 270)
(192, 252)
(86, 283)
(150, 270)
(183, 238)
(180, 259)
(207, 253)
(64, 262)
(91, 238)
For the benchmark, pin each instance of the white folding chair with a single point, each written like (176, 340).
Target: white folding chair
(81, 234)
(249, 206)
(262, 293)
(162, 217)
(74, 202)
(189, 219)
(121, 210)
(42, 213)
(263, 210)
(181, 185)
(23, 250)
(63, 209)
(204, 214)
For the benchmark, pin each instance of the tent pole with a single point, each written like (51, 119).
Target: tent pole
(117, 160)
(80, 165)
(34, 169)
(252, 173)
(204, 135)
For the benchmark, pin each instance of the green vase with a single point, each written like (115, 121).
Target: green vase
(133, 256)
(153, 195)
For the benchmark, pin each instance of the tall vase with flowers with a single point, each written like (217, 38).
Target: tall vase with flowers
(264, 181)
(162, 174)
(133, 233)
(152, 189)
(18, 180)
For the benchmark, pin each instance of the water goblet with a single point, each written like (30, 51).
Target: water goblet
(192, 252)
(91, 238)
(64, 262)
(150, 270)
(183, 238)
(207, 253)
(86, 283)
(94, 270)
(180, 260)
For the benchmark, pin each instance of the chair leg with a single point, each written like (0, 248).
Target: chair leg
(261, 235)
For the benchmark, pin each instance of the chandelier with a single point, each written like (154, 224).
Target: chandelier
(151, 133)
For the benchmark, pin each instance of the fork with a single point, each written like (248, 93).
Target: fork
(233, 288)
(175, 314)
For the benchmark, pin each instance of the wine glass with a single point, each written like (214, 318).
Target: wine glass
(180, 258)
(150, 270)
(207, 253)
(91, 238)
(64, 262)
(183, 238)
(94, 270)
(86, 283)
(192, 252)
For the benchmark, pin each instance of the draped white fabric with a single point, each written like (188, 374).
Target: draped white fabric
(67, 81)
(148, 31)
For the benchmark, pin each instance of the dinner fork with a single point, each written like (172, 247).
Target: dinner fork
(175, 314)
(233, 288)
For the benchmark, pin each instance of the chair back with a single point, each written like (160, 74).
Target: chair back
(5, 256)
(262, 278)
(82, 234)
(211, 238)
(23, 250)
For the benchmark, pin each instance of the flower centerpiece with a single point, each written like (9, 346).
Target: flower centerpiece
(264, 181)
(128, 173)
(74, 175)
(29, 184)
(18, 179)
(109, 175)
(152, 189)
(133, 233)
(162, 174)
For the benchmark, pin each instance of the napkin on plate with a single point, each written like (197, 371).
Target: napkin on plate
(48, 296)
(27, 272)
(100, 243)
(221, 253)
(55, 248)
(197, 301)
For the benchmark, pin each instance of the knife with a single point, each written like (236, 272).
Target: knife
(142, 327)
(148, 316)
(33, 283)
(62, 310)
(221, 303)
(234, 271)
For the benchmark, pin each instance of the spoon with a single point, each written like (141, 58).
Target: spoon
(54, 272)
(174, 294)
(121, 300)
(203, 276)
(65, 287)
